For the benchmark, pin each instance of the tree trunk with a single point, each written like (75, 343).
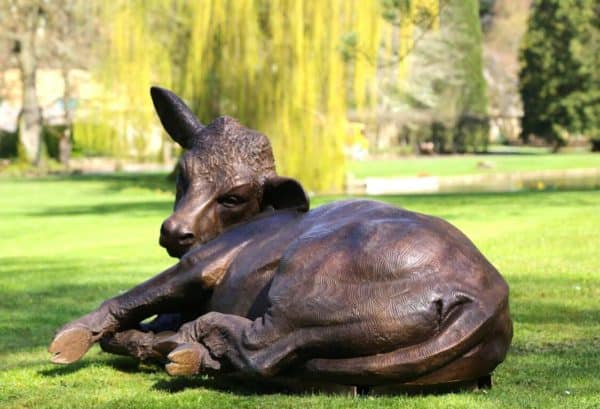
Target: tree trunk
(30, 124)
(556, 145)
(65, 145)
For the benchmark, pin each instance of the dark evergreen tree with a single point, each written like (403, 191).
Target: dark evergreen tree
(560, 80)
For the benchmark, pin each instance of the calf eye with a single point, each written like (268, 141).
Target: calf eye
(231, 200)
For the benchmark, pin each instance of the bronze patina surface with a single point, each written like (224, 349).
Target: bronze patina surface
(355, 292)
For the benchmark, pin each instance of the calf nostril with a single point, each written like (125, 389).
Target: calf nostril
(186, 237)
(175, 231)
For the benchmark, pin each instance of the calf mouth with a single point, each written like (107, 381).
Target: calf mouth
(175, 249)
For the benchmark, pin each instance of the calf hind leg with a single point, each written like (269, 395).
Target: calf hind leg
(230, 343)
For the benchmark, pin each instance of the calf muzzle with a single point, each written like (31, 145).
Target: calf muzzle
(176, 237)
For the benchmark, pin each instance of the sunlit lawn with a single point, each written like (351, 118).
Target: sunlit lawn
(472, 164)
(66, 245)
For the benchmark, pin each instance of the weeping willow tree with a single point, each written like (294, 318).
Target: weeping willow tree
(276, 65)
(133, 58)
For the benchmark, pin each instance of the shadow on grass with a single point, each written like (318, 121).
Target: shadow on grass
(130, 208)
(182, 383)
(117, 181)
(246, 387)
(30, 314)
(65, 369)
(120, 364)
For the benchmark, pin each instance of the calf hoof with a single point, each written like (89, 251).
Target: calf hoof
(190, 359)
(185, 360)
(70, 345)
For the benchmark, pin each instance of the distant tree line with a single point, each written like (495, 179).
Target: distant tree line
(293, 69)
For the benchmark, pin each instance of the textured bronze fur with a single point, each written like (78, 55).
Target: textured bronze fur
(354, 292)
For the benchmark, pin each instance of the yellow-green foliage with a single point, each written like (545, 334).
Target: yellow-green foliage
(132, 58)
(281, 72)
(276, 65)
(97, 139)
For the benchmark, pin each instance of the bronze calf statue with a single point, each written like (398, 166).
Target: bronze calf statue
(354, 292)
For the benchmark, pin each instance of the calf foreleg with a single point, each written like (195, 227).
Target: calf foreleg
(178, 288)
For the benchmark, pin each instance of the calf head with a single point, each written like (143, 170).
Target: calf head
(226, 176)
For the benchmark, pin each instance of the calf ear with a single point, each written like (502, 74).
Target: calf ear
(284, 193)
(177, 119)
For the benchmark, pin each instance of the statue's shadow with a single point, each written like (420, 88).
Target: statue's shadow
(247, 386)
(170, 385)
(180, 384)
(63, 370)
(120, 364)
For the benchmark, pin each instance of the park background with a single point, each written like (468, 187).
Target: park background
(485, 113)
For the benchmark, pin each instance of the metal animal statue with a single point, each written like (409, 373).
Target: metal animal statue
(355, 292)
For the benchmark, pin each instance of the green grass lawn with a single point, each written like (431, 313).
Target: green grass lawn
(468, 164)
(68, 244)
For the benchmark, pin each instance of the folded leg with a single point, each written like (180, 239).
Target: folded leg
(183, 287)
(230, 343)
(138, 343)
